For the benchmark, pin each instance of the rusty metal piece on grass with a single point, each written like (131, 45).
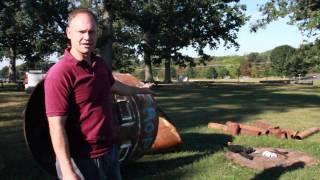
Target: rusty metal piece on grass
(278, 133)
(218, 126)
(262, 128)
(306, 133)
(264, 125)
(291, 133)
(253, 128)
(233, 128)
(252, 132)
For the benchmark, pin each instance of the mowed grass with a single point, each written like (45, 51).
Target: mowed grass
(191, 107)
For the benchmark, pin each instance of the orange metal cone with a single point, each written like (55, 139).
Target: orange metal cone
(167, 136)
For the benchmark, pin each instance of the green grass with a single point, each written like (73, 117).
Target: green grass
(191, 107)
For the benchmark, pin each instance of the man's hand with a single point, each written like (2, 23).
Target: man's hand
(71, 176)
(148, 85)
(126, 90)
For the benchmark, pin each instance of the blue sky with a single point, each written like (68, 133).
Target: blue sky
(275, 34)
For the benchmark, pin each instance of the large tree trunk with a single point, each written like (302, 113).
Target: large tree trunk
(107, 33)
(167, 72)
(148, 75)
(12, 65)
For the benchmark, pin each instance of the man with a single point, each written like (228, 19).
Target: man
(78, 106)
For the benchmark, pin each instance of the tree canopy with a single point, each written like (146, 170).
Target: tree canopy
(31, 30)
(280, 58)
(162, 28)
(304, 13)
(156, 30)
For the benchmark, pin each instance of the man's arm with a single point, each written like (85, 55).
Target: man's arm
(61, 146)
(126, 90)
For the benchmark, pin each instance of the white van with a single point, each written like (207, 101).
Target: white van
(32, 78)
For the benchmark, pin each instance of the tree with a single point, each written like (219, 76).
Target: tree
(280, 57)
(30, 30)
(199, 24)
(222, 72)
(304, 13)
(4, 72)
(211, 73)
(245, 68)
(311, 55)
(165, 27)
(296, 66)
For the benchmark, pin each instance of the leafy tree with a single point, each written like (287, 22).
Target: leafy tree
(211, 73)
(296, 66)
(4, 72)
(245, 68)
(311, 55)
(30, 30)
(280, 57)
(222, 72)
(254, 71)
(162, 28)
(233, 70)
(304, 13)
(190, 72)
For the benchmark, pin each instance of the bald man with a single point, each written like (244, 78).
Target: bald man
(78, 100)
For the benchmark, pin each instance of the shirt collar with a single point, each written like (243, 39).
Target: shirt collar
(68, 57)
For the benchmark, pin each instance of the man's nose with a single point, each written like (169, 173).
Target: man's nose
(86, 35)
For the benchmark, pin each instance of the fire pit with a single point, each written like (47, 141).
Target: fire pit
(268, 157)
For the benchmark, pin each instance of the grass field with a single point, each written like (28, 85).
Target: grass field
(191, 107)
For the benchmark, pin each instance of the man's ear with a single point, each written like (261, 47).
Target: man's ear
(68, 32)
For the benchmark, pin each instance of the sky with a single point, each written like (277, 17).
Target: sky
(275, 34)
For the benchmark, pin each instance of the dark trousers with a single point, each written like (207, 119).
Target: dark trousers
(106, 167)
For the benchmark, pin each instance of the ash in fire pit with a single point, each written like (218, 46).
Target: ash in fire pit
(267, 157)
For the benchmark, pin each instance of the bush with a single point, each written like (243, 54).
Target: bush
(211, 73)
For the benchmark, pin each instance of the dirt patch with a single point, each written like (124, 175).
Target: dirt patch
(258, 160)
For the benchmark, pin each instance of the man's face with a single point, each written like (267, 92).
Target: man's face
(82, 34)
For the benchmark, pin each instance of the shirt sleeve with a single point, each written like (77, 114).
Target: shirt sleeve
(57, 90)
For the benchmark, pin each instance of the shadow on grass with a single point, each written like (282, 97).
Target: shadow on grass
(194, 105)
(17, 161)
(276, 172)
(201, 144)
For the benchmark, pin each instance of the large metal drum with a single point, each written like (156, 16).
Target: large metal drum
(135, 116)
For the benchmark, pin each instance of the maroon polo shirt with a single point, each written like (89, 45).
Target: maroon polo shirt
(82, 93)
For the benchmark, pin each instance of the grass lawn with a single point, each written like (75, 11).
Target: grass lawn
(191, 107)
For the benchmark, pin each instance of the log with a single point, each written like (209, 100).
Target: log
(306, 133)
(217, 126)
